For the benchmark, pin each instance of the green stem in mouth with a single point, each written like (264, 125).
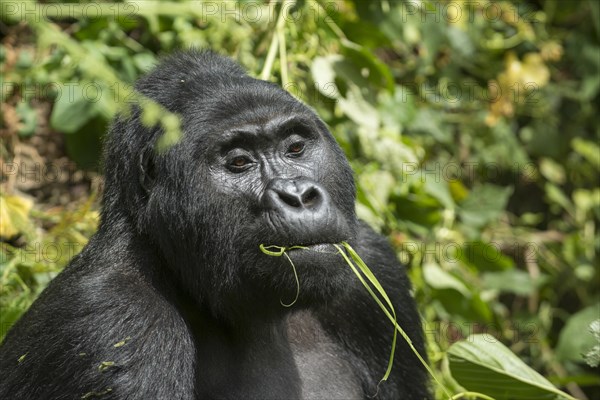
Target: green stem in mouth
(281, 251)
(388, 308)
(297, 283)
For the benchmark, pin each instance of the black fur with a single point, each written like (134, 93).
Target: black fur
(172, 298)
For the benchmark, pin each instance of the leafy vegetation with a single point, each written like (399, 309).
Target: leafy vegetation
(472, 128)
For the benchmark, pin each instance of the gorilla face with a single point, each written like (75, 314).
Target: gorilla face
(277, 166)
(254, 167)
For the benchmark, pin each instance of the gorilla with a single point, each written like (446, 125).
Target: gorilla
(173, 298)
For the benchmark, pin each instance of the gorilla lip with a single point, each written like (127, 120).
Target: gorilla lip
(323, 248)
(320, 248)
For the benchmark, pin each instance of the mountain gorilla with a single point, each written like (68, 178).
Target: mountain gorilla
(173, 299)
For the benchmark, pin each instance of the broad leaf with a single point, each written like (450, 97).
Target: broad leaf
(482, 256)
(437, 278)
(576, 339)
(512, 281)
(73, 109)
(483, 364)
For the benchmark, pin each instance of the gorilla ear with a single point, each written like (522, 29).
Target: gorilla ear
(146, 168)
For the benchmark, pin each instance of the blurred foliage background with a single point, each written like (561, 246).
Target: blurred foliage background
(472, 128)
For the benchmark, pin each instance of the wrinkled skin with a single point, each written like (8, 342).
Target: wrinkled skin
(173, 299)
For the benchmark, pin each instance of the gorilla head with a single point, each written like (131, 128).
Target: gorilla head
(254, 166)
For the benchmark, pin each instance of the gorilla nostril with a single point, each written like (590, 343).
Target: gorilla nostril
(290, 199)
(310, 197)
(295, 196)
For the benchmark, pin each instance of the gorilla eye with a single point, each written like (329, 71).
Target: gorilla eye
(295, 149)
(239, 163)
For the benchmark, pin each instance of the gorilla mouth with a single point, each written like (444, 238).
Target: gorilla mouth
(327, 248)
(312, 249)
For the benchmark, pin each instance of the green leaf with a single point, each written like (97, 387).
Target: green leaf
(366, 214)
(28, 118)
(72, 110)
(589, 87)
(14, 211)
(376, 187)
(512, 281)
(428, 121)
(151, 113)
(588, 150)
(592, 357)
(556, 195)
(25, 59)
(358, 109)
(438, 188)
(484, 204)
(460, 307)
(552, 170)
(172, 134)
(324, 74)
(575, 338)
(483, 256)
(363, 58)
(460, 41)
(437, 278)
(144, 61)
(421, 210)
(483, 364)
(397, 110)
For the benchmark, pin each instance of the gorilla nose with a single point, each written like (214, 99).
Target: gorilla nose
(301, 212)
(294, 195)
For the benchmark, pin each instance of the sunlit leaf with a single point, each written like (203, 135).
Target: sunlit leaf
(14, 215)
(482, 364)
(437, 278)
